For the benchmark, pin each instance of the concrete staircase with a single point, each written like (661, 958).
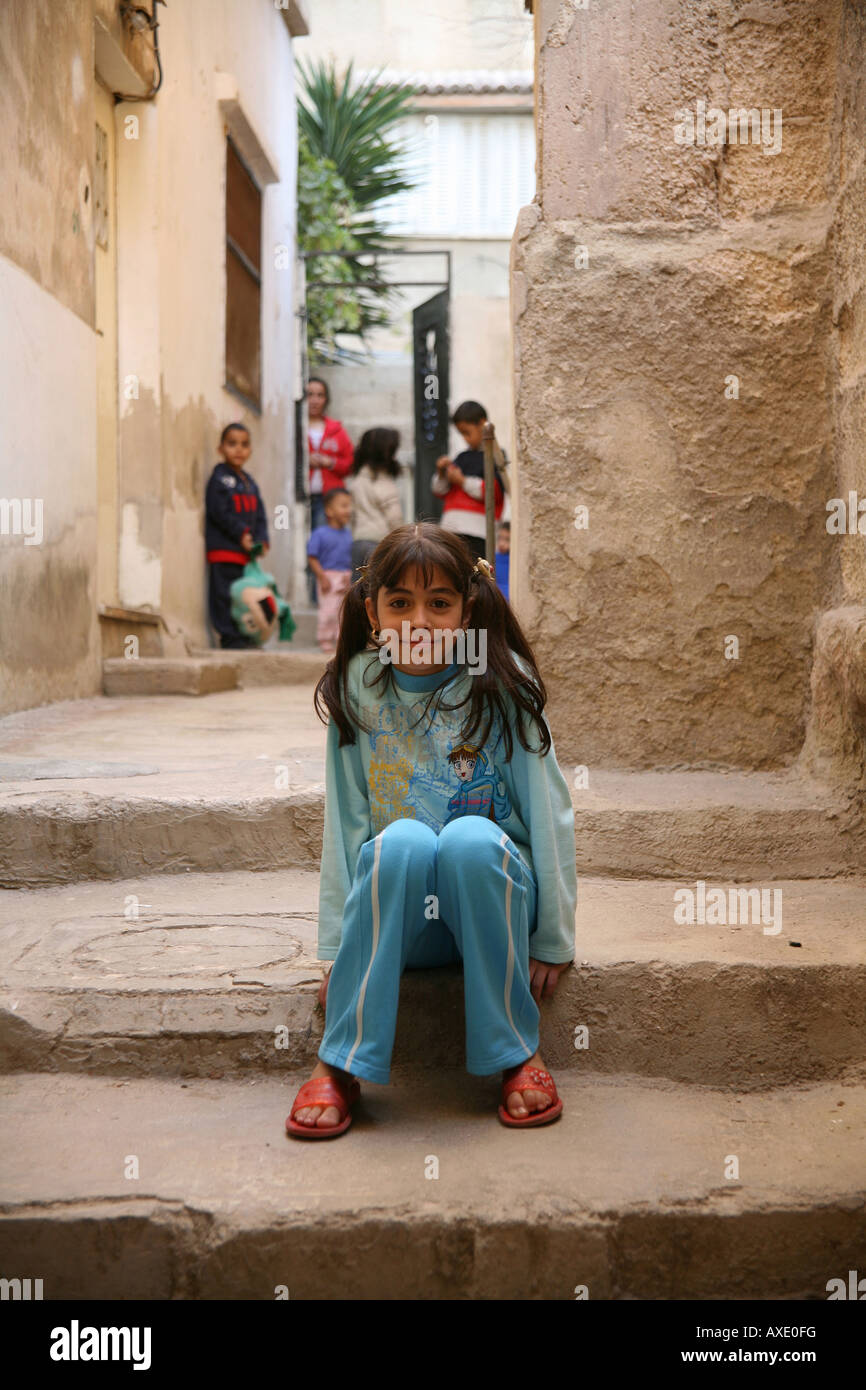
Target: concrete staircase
(158, 1010)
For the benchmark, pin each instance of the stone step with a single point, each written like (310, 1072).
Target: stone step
(306, 619)
(292, 663)
(61, 834)
(217, 974)
(207, 672)
(158, 1189)
(163, 675)
(115, 787)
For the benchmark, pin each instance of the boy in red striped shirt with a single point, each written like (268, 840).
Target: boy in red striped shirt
(461, 482)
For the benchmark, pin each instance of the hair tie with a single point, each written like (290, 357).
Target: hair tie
(483, 567)
(363, 571)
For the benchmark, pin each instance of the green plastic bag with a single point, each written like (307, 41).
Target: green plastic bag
(257, 608)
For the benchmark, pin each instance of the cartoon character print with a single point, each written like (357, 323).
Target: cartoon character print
(411, 770)
(481, 791)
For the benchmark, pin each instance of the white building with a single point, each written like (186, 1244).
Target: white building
(471, 147)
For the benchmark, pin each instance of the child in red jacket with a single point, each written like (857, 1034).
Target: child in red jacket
(331, 452)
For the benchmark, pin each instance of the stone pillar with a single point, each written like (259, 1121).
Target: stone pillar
(849, 299)
(835, 747)
(675, 287)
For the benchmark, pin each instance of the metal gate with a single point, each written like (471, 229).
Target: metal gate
(430, 371)
(430, 368)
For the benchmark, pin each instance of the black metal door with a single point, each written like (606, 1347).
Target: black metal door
(431, 360)
(302, 476)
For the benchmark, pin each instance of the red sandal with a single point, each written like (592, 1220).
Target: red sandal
(530, 1079)
(324, 1091)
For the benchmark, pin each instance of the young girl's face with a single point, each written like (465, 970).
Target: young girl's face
(438, 607)
(315, 400)
(236, 448)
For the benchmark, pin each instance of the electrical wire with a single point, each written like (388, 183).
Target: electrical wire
(153, 26)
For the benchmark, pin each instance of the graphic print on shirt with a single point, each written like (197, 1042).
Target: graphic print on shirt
(412, 769)
(481, 791)
(391, 768)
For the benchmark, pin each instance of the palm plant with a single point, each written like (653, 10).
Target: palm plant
(344, 130)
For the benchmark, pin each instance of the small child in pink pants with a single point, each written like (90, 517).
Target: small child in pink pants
(329, 551)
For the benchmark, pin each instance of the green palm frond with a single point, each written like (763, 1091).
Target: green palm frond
(347, 166)
(350, 126)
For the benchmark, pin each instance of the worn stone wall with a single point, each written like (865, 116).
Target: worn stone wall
(648, 275)
(849, 301)
(835, 745)
(46, 116)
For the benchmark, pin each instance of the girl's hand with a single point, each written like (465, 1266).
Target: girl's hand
(443, 462)
(543, 978)
(455, 475)
(323, 988)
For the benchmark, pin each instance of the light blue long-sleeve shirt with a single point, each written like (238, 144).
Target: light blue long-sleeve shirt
(401, 768)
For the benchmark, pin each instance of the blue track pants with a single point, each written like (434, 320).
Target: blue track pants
(485, 895)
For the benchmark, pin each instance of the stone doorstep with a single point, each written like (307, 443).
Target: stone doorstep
(643, 826)
(629, 1193)
(301, 663)
(209, 672)
(219, 976)
(159, 675)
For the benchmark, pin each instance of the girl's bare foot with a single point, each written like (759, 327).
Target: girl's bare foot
(521, 1103)
(316, 1114)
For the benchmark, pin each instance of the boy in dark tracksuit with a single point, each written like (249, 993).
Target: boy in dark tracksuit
(235, 520)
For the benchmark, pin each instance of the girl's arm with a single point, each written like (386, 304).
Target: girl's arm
(390, 504)
(546, 808)
(347, 828)
(474, 487)
(345, 454)
(321, 578)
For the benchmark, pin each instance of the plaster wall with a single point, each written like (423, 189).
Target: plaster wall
(437, 34)
(49, 641)
(173, 321)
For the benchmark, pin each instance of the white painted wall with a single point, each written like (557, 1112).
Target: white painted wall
(175, 226)
(435, 34)
(48, 624)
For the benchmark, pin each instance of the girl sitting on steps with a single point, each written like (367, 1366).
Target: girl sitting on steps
(446, 837)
